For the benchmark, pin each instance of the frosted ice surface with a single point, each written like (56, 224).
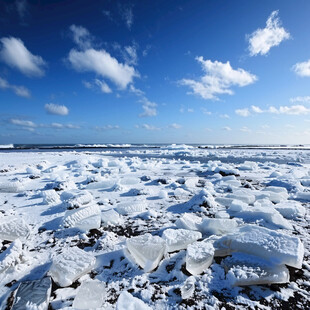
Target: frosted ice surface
(222, 215)
(110, 217)
(79, 199)
(178, 239)
(11, 256)
(127, 302)
(90, 295)
(50, 196)
(199, 256)
(276, 194)
(243, 269)
(71, 264)
(11, 187)
(243, 195)
(271, 245)
(147, 250)
(129, 181)
(103, 185)
(217, 226)
(303, 196)
(188, 221)
(13, 227)
(131, 207)
(237, 206)
(188, 288)
(84, 218)
(34, 295)
(291, 209)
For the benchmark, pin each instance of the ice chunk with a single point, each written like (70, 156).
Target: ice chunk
(11, 256)
(79, 199)
(50, 197)
(129, 181)
(237, 206)
(271, 245)
(303, 196)
(71, 264)
(199, 256)
(243, 195)
(267, 214)
(34, 295)
(84, 218)
(188, 288)
(103, 185)
(276, 194)
(90, 295)
(13, 227)
(291, 209)
(178, 239)
(243, 269)
(217, 226)
(188, 221)
(221, 215)
(131, 207)
(127, 302)
(248, 165)
(109, 217)
(11, 186)
(147, 250)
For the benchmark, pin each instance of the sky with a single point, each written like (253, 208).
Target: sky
(208, 72)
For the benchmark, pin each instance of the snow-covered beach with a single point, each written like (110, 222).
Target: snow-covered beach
(173, 227)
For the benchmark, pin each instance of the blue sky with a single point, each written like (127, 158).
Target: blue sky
(154, 72)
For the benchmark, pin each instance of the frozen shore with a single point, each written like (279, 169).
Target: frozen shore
(175, 227)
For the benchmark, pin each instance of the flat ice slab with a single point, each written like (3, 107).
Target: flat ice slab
(127, 302)
(90, 295)
(77, 199)
(243, 269)
(11, 256)
(178, 239)
(71, 264)
(291, 209)
(147, 250)
(34, 295)
(13, 227)
(110, 217)
(188, 221)
(217, 226)
(84, 218)
(199, 256)
(277, 247)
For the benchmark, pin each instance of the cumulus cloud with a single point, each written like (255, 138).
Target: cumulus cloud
(243, 112)
(56, 109)
(175, 126)
(24, 123)
(262, 40)
(18, 90)
(302, 68)
(292, 110)
(227, 128)
(218, 79)
(256, 109)
(149, 108)
(16, 55)
(305, 99)
(150, 127)
(81, 36)
(102, 63)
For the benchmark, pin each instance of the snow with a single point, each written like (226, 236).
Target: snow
(217, 226)
(110, 217)
(50, 197)
(90, 295)
(199, 256)
(71, 264)
(147, 250)
(127, 302)
(178, 239)
(11, 256)
(13, 227)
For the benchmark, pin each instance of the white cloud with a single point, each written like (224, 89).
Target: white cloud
(22, 8)
(104, 87)
(107, 127)
(302, 68)
(56, 109)
(81, 36)
(256, 109)
(205, 111)
(243, 112)
(226, 116)
(62, 126)
(16, 55)
(136, 91)
(24, 123)
(305, 99)
(245, 129)
(102, 63)
(150, 127)
(149, 108)
(175, 126)
(18, 90)
(262, 40)
(127, 15)
(227, 128)
(218, 79)
(292, 110)
(130, 54)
